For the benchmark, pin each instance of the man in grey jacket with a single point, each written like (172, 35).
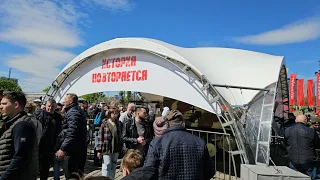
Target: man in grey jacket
(128, 114)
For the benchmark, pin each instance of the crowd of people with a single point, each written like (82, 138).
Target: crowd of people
(57, 136)
(301, 140)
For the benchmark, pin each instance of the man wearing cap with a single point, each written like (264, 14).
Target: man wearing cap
(178, 154)
(315, 125)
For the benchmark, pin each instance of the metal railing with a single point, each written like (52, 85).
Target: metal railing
(220, 151)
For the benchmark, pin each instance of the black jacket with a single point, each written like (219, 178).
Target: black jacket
(19, 149)
(301, 142)
(75, 129)
(51, 127)
(143, 173)
(130, 134)
(179, 155)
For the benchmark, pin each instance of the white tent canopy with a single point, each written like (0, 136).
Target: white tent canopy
(219, 65)
(155, 67)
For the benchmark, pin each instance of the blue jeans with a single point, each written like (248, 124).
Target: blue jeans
(96, 140)
(109, 165)
(309, 170)
(57, 165)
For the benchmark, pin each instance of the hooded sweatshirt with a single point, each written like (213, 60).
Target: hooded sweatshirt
(159, 126)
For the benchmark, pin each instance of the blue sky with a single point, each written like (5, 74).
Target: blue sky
(38, 38)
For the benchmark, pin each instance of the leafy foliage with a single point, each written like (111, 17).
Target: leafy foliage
(106, 99)
(125, 96)
(94, 97)
(129, 96)
(122, 97)
(45, 90)
(9, 85)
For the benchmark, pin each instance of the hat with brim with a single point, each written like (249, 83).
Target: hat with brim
(37, 101)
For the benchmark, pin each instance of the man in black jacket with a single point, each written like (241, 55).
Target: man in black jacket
(74, 145)
(51, 125)
(1, 94)
(179, 155)
(19, 139)
(301, 142)
(136, 132)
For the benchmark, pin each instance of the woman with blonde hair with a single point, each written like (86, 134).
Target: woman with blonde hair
(109, 142)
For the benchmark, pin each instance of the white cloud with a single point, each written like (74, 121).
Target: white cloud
(44, 29)
(115, 5)
(3, 73)
(304, 30)
(40, 23)
(40, 62)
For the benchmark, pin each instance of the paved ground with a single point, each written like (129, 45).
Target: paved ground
(92, 170)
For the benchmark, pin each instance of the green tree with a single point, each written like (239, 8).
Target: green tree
(94, 97)
(45, 90)
(9, 85)
(129, 96)
(122, 97)
(106, 99)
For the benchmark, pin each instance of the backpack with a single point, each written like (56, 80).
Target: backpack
(37, 127)
(97, 120)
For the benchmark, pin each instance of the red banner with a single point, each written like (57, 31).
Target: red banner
(318, 93)
(292, 99)
(300, 92)
(310, 93)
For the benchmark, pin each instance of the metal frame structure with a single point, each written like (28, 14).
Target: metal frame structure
(284, 87)
(263, 123)
(228, 149)
(208, 91)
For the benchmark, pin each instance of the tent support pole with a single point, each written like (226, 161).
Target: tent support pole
(240, 87)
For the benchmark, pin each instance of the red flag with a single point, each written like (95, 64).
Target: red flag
(310, 93)
(292, 91)
(300, 92)
(318, 93)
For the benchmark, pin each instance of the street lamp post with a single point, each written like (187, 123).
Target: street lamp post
(10, 73)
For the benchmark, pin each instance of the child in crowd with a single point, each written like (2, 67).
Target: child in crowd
(131, 166)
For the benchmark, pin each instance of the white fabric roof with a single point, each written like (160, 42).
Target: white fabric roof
(219, 65)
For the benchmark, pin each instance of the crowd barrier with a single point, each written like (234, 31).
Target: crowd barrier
(220, 145)
(219, 150)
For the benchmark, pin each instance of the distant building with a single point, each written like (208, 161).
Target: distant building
(12, 79)
(34, 95)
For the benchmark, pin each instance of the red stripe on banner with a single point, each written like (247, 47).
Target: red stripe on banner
(318, 93)
(292, 86)
(300, 92)
(310, 93)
